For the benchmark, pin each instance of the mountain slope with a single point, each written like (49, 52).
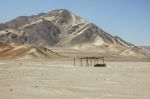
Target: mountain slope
(26, 51)
(62, 28)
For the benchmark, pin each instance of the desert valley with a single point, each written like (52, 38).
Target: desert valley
(37, 60)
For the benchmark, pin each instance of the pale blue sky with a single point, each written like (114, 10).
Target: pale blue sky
(129, 19)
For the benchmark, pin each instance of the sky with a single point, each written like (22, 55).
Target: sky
(128, 19)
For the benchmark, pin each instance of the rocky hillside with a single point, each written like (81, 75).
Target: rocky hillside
(145, 47)
(61, 28)
(26, 51)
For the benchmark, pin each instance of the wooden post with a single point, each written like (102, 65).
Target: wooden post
(87, 62)
(97, 61)
(94, 61)
(81, 62)
(74, 61)
(91, 62)
(103, 60)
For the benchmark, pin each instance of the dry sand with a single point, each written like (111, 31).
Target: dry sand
(52, 79)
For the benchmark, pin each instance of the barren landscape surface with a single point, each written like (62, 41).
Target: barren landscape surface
(56, 54)
(59, 79)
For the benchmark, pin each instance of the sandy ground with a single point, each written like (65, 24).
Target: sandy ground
(51, 79)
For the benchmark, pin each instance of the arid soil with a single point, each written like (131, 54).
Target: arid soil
(59, 79)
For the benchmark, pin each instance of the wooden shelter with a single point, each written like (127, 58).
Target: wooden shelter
(90, 61)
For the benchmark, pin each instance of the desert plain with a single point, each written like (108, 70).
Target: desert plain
(60, 79)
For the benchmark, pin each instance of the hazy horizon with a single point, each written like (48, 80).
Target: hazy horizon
(126, 19)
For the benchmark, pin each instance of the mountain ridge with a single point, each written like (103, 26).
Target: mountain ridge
(28, 51)
(61, 27)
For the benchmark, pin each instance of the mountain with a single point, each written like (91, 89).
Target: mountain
(146, 47)
(28, 51)
(4, 46)
(61, 28)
